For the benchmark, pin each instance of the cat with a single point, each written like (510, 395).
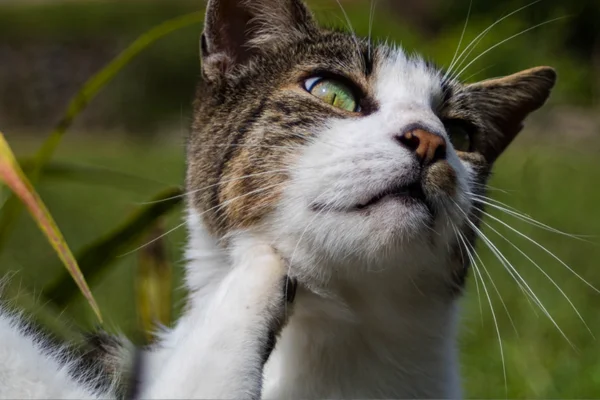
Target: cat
(330, 183)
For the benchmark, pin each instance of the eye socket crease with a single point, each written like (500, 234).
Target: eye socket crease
(461, 132)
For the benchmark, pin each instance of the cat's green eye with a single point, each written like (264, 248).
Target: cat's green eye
(332, 92)
(460, 134)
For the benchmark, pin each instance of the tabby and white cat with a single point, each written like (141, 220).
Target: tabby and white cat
(329, 209)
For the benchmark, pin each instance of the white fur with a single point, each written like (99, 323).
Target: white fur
(31, 370)
(216, 350)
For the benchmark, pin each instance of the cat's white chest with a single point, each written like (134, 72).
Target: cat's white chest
(321, 358)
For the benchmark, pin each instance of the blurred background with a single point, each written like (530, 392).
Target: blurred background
(127, 147)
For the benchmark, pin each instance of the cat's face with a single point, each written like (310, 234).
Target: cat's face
(342, 152)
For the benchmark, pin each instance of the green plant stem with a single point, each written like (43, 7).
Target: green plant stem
(95, 258)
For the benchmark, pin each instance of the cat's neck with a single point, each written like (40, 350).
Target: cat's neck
(372, 342)
(368, 338)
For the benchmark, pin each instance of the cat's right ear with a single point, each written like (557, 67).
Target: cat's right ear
(235, 29)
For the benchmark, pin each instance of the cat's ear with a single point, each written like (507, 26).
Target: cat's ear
(502, 104)
(235, 29)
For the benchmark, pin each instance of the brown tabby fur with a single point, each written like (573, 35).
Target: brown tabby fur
(252, 115)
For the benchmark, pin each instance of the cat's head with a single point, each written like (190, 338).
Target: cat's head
(346, 154)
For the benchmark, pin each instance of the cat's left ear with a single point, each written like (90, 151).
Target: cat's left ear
(235, 29)
(502, 104)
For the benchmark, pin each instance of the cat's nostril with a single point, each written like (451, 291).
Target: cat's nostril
(428, 147)
(409, 141)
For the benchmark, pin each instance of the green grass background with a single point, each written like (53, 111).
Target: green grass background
(554, 179)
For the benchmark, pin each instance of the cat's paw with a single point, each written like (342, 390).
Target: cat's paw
(226, 346)
(260, 285)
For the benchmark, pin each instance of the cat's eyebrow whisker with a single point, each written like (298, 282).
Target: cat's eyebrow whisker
(468, 78)
(522, 283)
(487, 294)
(462, 35)
(273, 172)
(542, 248)
(506, 40)
(350, 28)
(371, 17)
(544, 273)
(479, 37)
(526, 218)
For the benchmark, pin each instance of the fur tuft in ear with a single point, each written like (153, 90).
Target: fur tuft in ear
(502, 104)
(235, 29)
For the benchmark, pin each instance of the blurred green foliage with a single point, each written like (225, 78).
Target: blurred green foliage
(99, 181)
(156, 89)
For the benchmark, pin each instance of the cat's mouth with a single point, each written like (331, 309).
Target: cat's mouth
(412, 193)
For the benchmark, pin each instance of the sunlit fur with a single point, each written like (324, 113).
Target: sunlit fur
(277, 183)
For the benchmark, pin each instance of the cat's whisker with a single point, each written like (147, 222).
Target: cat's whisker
(495, 287)
(350, 27)
(308, 138)
(479, 37)
(544, 273)
(466, 57)
(521, 282)
(485, 269)
(487, 294)
(468, 78)
(298, 244)
(274, 172)
(542, 248)
(223, 204)
(526, 218)
(371, 17)
(256, 145)
(462, 35)
(488, 187)
(476, 196)
(506, 40)
(154, 240)
(462, 256)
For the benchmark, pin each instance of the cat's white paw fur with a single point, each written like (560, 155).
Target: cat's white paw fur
(225, 346)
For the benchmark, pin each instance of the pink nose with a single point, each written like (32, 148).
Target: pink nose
(427, 146)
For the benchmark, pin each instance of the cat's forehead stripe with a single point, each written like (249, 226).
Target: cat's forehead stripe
(399, 78)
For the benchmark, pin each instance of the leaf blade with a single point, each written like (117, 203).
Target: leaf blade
(14, 177)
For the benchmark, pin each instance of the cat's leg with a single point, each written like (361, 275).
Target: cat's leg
(225, 347)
